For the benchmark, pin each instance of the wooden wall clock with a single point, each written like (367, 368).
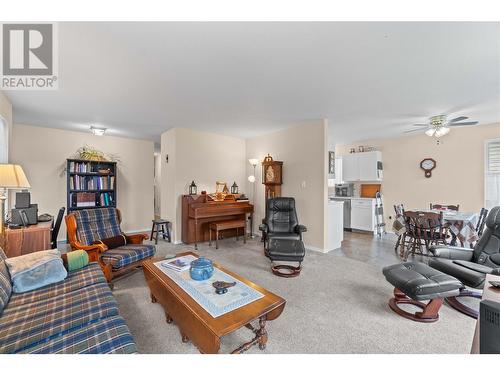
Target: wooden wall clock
(428, 164)
(272, 177)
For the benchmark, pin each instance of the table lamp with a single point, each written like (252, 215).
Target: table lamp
(11, 177)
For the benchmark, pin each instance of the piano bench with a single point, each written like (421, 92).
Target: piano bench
(218, 226)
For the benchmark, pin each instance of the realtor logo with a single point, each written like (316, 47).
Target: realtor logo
(29, 56)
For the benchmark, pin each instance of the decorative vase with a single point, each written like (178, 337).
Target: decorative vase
(201, 269)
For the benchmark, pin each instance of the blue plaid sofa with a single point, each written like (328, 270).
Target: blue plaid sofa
(85, 227)
(76, 315)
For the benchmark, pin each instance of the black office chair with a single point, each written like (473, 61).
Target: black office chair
(480, 223)
(471, 266)
(56, 226)
(283, 236)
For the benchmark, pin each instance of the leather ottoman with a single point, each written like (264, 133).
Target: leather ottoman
(415, 282)
(286, 250)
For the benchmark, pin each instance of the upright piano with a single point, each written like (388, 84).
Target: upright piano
(200, 210)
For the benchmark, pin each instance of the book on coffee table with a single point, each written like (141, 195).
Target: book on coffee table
(179, 264)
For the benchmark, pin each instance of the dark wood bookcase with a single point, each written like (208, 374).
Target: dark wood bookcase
(88, 186)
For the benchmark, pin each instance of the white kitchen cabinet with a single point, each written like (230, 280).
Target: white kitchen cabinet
(362, 166)
(363, 214)
(338, 171)
(350, 167)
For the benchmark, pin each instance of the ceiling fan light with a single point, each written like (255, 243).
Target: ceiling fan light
(440, 132)
(430, 132)
(97, 131)
(445, 130)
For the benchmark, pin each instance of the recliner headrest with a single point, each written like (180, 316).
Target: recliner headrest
(493, 218)
(281, 204)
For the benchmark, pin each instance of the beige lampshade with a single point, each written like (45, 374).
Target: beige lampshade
(12, 177)
(253, 162)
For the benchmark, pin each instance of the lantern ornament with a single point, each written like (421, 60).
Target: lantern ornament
(193, 189)
(234, 188)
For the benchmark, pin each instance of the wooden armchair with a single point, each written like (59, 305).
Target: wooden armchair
(87, 226)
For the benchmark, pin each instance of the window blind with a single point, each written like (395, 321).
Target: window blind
(492, 175)
(493, 157)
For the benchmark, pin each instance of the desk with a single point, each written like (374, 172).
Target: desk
(28, 240)
(489, 293)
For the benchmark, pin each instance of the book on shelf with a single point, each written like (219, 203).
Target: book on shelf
(80, 167)
(106, 199)
(85, 199)
(179, 264)
(77, 182)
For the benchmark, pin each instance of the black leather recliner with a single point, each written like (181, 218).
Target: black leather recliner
(282, 235)
(471, 266)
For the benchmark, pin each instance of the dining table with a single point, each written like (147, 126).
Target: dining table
(462, 225)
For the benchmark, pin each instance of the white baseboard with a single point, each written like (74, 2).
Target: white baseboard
(133, 231)
(318, 249)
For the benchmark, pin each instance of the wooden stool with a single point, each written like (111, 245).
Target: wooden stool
(160, 226)
(223, 225)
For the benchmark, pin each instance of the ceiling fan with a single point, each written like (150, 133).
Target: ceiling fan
(439, 125)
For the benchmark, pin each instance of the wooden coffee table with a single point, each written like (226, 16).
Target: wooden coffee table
(197, 325)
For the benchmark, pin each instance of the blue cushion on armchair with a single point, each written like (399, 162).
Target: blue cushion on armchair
(124, 255)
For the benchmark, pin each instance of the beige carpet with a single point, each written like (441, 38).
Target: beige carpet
(337, 305)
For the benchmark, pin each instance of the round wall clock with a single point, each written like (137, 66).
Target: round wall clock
(428, 165)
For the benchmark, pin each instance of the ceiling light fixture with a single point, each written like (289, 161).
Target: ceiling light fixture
(442, 131)
(437, 126)
(430, 132)
(97, 131)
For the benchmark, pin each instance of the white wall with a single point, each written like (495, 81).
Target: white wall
(42, 152)
(200, 156)
(6, 117)
(303, 150)
(157, 183)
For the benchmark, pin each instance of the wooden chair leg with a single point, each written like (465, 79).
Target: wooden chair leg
(156, 235)
(162, 227)
(152, 231)
(397, 244)
(209, 236)
(216, 239)
(169, 235)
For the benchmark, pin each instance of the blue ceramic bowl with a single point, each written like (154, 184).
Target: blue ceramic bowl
(201, 269)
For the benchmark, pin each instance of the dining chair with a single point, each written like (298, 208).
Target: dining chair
(423, 229)
(444, 207)
(399, 211)
(55, 228)
(481, 221)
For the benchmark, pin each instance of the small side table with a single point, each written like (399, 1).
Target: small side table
(160, 226)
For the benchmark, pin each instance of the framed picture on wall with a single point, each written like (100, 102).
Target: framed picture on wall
(331, 163)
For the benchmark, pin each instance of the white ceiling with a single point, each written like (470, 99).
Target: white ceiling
(368, 79)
